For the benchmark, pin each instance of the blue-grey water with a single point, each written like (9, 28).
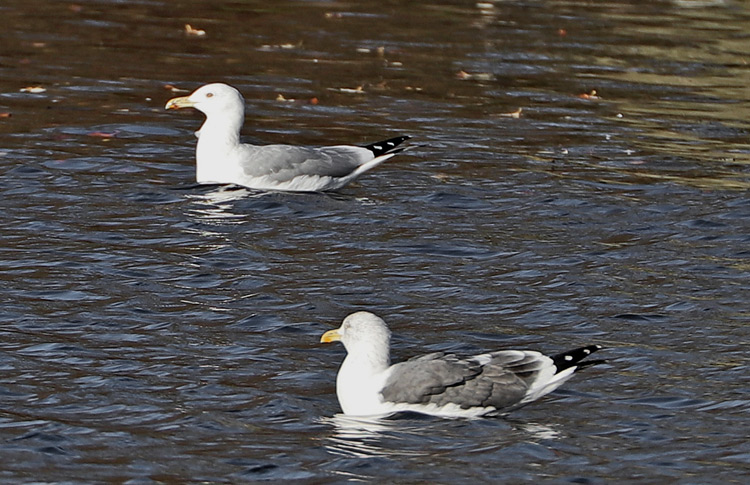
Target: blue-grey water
(155, 332)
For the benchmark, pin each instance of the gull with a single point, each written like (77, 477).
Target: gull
(441, 384)
(222, 159)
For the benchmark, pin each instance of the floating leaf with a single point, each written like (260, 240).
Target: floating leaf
(175, 89)
(590, 95)
(357, 90)
(189, 30)
(513, 114)
(480, 76)
(33, 89)
(102, 134)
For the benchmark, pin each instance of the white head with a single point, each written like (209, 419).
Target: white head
(363, 334)
(217, 98)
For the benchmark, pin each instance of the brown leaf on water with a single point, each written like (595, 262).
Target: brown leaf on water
(102, 134)
(590, 95)
(33, 89)
(357, 90)
(189, 30)
(480, 76)
(5, 114)
(512, 114)
(175, 89)
(314, 101)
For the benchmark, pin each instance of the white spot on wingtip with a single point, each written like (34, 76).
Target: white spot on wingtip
(568, 357)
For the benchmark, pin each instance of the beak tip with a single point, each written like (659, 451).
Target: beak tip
(177, 103)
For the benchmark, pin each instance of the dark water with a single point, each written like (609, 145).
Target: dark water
(154, 332)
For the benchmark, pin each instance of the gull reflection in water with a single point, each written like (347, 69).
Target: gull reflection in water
(218, 203)
(362, 437)
(365, 436)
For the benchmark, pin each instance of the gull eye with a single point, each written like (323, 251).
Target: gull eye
(209, 95)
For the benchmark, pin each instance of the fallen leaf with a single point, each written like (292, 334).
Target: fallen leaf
(175, 89)
(591, 95)
(480, 76)
(5, 114)
(102, 134)
(513, 114)
(357, 90)
(313, 100)
(33, 89)
(562, 32)
(189, 30)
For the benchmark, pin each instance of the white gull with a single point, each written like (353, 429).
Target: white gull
(222, 159)
(441, 384)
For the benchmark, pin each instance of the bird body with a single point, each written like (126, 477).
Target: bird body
(222, 158)
(441, 384)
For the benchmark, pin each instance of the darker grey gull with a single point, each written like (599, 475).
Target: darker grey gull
(441, 384)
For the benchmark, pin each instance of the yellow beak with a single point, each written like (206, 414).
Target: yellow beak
(177, 103)
(330, 336)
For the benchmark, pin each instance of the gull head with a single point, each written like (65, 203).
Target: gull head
(216, 98)
(361, 332)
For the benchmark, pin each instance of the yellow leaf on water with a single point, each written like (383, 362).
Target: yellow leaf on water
(189, 30)
(33, 89)
(513, 114)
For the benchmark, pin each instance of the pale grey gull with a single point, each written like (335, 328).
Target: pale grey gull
(441, 384)
(222, 159)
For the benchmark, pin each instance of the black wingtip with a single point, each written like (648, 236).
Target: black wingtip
(574, 357)
(387, 146)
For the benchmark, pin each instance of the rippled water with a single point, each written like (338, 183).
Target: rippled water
(153, 331)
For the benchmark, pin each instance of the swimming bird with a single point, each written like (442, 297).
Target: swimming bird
(222, 159)
(441, 384)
